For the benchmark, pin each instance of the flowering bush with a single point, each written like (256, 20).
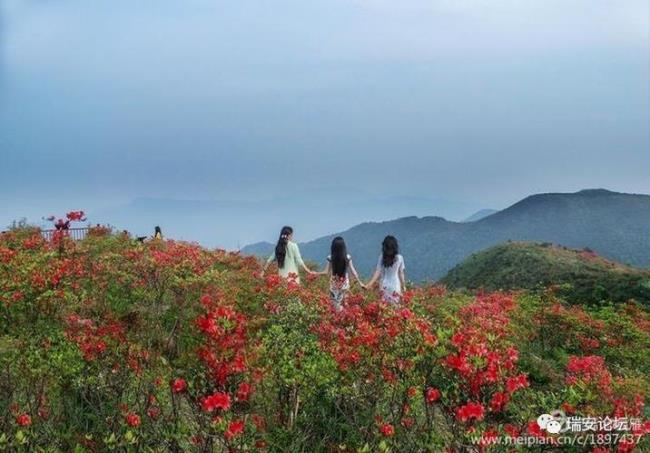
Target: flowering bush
(108, 343)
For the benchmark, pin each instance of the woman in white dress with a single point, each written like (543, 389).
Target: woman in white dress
(339, 267)
(389, 271)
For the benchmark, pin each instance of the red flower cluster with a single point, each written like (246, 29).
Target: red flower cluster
(179, 385)
(484, 359)
(535, 430)
(91, 339)
(24, 420)
(589, 369)
(498, 401)
(225, 331)
(75, 216)
(217, 400)
(366, 331)
(133, 420)
(516, 382)
(387, 429)
(432, 395)
(244, 391)
(469, 411)
(235, 428)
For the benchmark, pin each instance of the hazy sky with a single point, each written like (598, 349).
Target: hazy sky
(105, 101)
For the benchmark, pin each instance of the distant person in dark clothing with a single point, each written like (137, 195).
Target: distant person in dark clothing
(157, 233)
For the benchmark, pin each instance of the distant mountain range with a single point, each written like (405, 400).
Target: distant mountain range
(231, 224)
(614, 225)
(478, 215)
(579, 276)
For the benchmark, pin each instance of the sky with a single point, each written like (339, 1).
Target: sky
(481, 102)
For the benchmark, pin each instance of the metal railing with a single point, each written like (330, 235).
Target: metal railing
(76, 234)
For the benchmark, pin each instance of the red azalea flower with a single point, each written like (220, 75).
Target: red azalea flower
(387, 429)
(458, 363)
(534, 429)
(517, 382)
(432, 395)
(133, 420)
(470, 410)
(511, 430)
(75, 216)
(234, 429)
(243, 391)
(498, 401)
(179, 385)
(216, 401)
(458, 339)
(24, 420)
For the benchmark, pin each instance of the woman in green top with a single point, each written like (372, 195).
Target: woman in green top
(287, 255)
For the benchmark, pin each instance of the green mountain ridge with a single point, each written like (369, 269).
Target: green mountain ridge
(614, 225)
(579, 276)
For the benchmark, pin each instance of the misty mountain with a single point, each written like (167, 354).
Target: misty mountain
(478, 215)
(614, 225)
(231, 224)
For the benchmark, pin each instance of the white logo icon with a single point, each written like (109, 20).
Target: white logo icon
(552, 422)
(553, 427)
(543, 420)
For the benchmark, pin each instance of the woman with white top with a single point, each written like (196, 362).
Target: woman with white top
(390, 269)
(287, 255)
(339, 266)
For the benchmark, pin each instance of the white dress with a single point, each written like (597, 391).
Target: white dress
(390, 286)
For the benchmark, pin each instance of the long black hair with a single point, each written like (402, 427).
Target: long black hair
(339, 257)
(281, 247)
(389, 251)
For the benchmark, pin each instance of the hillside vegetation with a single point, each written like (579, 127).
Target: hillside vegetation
(614, 225)
(110, 344)
(578, 276)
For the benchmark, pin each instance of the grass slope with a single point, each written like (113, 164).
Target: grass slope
(580, 276)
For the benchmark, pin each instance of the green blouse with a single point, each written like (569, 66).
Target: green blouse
(292, 261)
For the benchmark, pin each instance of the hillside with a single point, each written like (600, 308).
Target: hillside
(580, 276)
(108, 344)
(614, 225)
